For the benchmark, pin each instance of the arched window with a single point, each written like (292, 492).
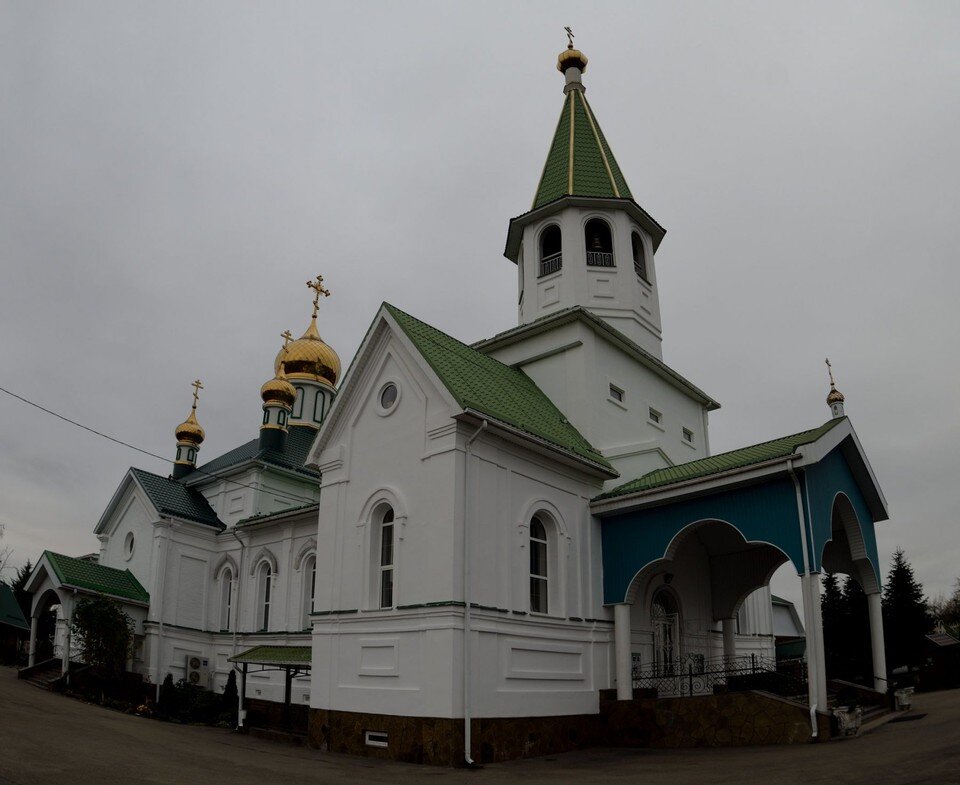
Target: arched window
(665, 617)
(386, 562)
(599, 242)
(309, 587)
(264, 587)
(639, 258)
(551, 258)
(226, 598)
(538, 566)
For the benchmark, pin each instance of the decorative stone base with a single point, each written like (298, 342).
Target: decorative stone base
(734, 719)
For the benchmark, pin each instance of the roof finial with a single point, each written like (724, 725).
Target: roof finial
(570, 37)
(287, 337)
(571, 63)
(318, 289)
(834, 397)
(197, 387)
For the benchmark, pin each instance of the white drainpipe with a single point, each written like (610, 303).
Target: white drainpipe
(466, 602)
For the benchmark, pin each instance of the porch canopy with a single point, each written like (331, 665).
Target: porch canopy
(810, 498)
(292, 660)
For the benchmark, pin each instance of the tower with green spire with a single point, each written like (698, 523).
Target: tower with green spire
(585, 241)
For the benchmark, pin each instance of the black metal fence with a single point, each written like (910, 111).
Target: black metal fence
(698, 675)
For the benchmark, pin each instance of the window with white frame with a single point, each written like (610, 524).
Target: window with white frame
(538, 566)
(226, 598)
(616, 393)
(386, 561)
(264, 589)
(309, 587)
(654, 416)
(688, 436)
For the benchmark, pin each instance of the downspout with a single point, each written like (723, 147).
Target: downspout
(466, 602)
(806, 568)
(162, 567)
(236, 623)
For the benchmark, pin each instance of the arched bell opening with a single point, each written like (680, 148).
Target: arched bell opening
(599, 243)
(551, 255)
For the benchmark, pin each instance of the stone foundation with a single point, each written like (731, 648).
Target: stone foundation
(734, 719)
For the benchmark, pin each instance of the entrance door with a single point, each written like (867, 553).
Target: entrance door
(666, 632)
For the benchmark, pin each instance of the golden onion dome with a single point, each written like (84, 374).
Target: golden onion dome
(309, 357)
(834, 396)
(570, 58)
(189, 430)
(279, 390)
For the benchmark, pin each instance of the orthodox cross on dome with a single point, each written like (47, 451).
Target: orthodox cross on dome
(287, 337)
(318, 289)
(830, 371)
(197, 387)
(569, 37)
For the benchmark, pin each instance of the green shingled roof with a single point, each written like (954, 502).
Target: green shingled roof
(84, 574)
(295, 449)
(275, 655)
(580, 162)
(488, 386)
(172, 497)
(727, 461)
(10, 613)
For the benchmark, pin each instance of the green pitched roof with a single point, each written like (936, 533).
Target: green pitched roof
(10, 613)
(295, 449)
(727, 461)
(488, 386)
(84, 574)
(172, 497)
(580, 162)
(275, 655)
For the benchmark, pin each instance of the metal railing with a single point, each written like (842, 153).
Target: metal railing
(695, 674)
(600, 259)
(550, 264)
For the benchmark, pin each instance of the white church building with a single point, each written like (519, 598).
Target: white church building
(450, 542)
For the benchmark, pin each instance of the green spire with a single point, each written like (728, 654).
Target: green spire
(580, 162)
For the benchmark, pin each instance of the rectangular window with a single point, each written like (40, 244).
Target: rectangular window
(318, 408)
(266, 603)
(616, 393)
(654, 416)
(375, 738)
(298, 403)
(688, 436)
(538, 576)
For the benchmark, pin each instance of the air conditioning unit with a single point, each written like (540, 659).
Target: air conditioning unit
(198, 671)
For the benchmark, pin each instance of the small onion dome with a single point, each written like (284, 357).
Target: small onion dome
(279, 390)
(309, 357)
(189, 430)
(834, 396)
(570, 58)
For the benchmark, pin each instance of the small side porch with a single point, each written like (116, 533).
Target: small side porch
(689, 551)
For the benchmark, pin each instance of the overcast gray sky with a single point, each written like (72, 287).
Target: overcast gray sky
(171, 173)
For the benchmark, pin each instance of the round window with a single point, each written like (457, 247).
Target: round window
(128, 545)
(388, 396)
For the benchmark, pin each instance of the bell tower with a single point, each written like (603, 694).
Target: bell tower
(585, 241)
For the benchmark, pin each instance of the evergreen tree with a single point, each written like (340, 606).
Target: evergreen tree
(230, 693)
(834, 620)
(857, 655)
(906, 618)
(24, 597)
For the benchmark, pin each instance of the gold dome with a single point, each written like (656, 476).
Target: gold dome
(834, 396)
(570, 58)
(309, 357)
(189, 430)
(279, 390)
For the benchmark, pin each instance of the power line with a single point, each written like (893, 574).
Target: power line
(282, 494)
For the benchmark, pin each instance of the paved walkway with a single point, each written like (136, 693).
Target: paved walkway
(47, 738)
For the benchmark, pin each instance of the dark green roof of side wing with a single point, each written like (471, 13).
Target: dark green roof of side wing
(172, 497)
(488, 386)
(275, 655)
(89, 575)
(727, 461)
(10, 613)
(292, 456)
(580, 161)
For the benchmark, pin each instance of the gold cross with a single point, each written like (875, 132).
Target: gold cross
(197, 387)
(287, 337)
(569, 37)
(830, 371)
(318, 289)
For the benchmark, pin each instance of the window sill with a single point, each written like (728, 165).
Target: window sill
(688, 444)
(615, 402)
(550, 276)
(656, 425)
(551, 616)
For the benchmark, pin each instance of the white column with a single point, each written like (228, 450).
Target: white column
(729, 639)
(65, 665)
(621, 638)
(32, 651)
(876, 642)
(813, 622)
